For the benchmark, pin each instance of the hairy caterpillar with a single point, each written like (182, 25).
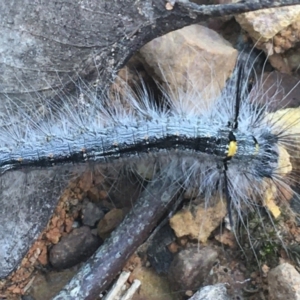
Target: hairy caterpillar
(233, 130)
(230, 146)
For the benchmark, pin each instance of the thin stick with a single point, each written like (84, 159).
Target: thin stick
(218, 10)
(99, 271)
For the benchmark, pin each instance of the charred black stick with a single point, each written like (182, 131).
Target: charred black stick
(99, 271)
(219, 10)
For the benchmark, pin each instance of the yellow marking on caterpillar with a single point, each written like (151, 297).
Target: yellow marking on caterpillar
(232, 148)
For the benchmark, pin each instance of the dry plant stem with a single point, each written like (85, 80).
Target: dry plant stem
(98, 272)
(132, 290)
(116, 289)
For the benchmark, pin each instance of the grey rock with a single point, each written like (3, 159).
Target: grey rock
(91, 213)
(284, 283)
(74, 248)
(211, 292)
(191, 267)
